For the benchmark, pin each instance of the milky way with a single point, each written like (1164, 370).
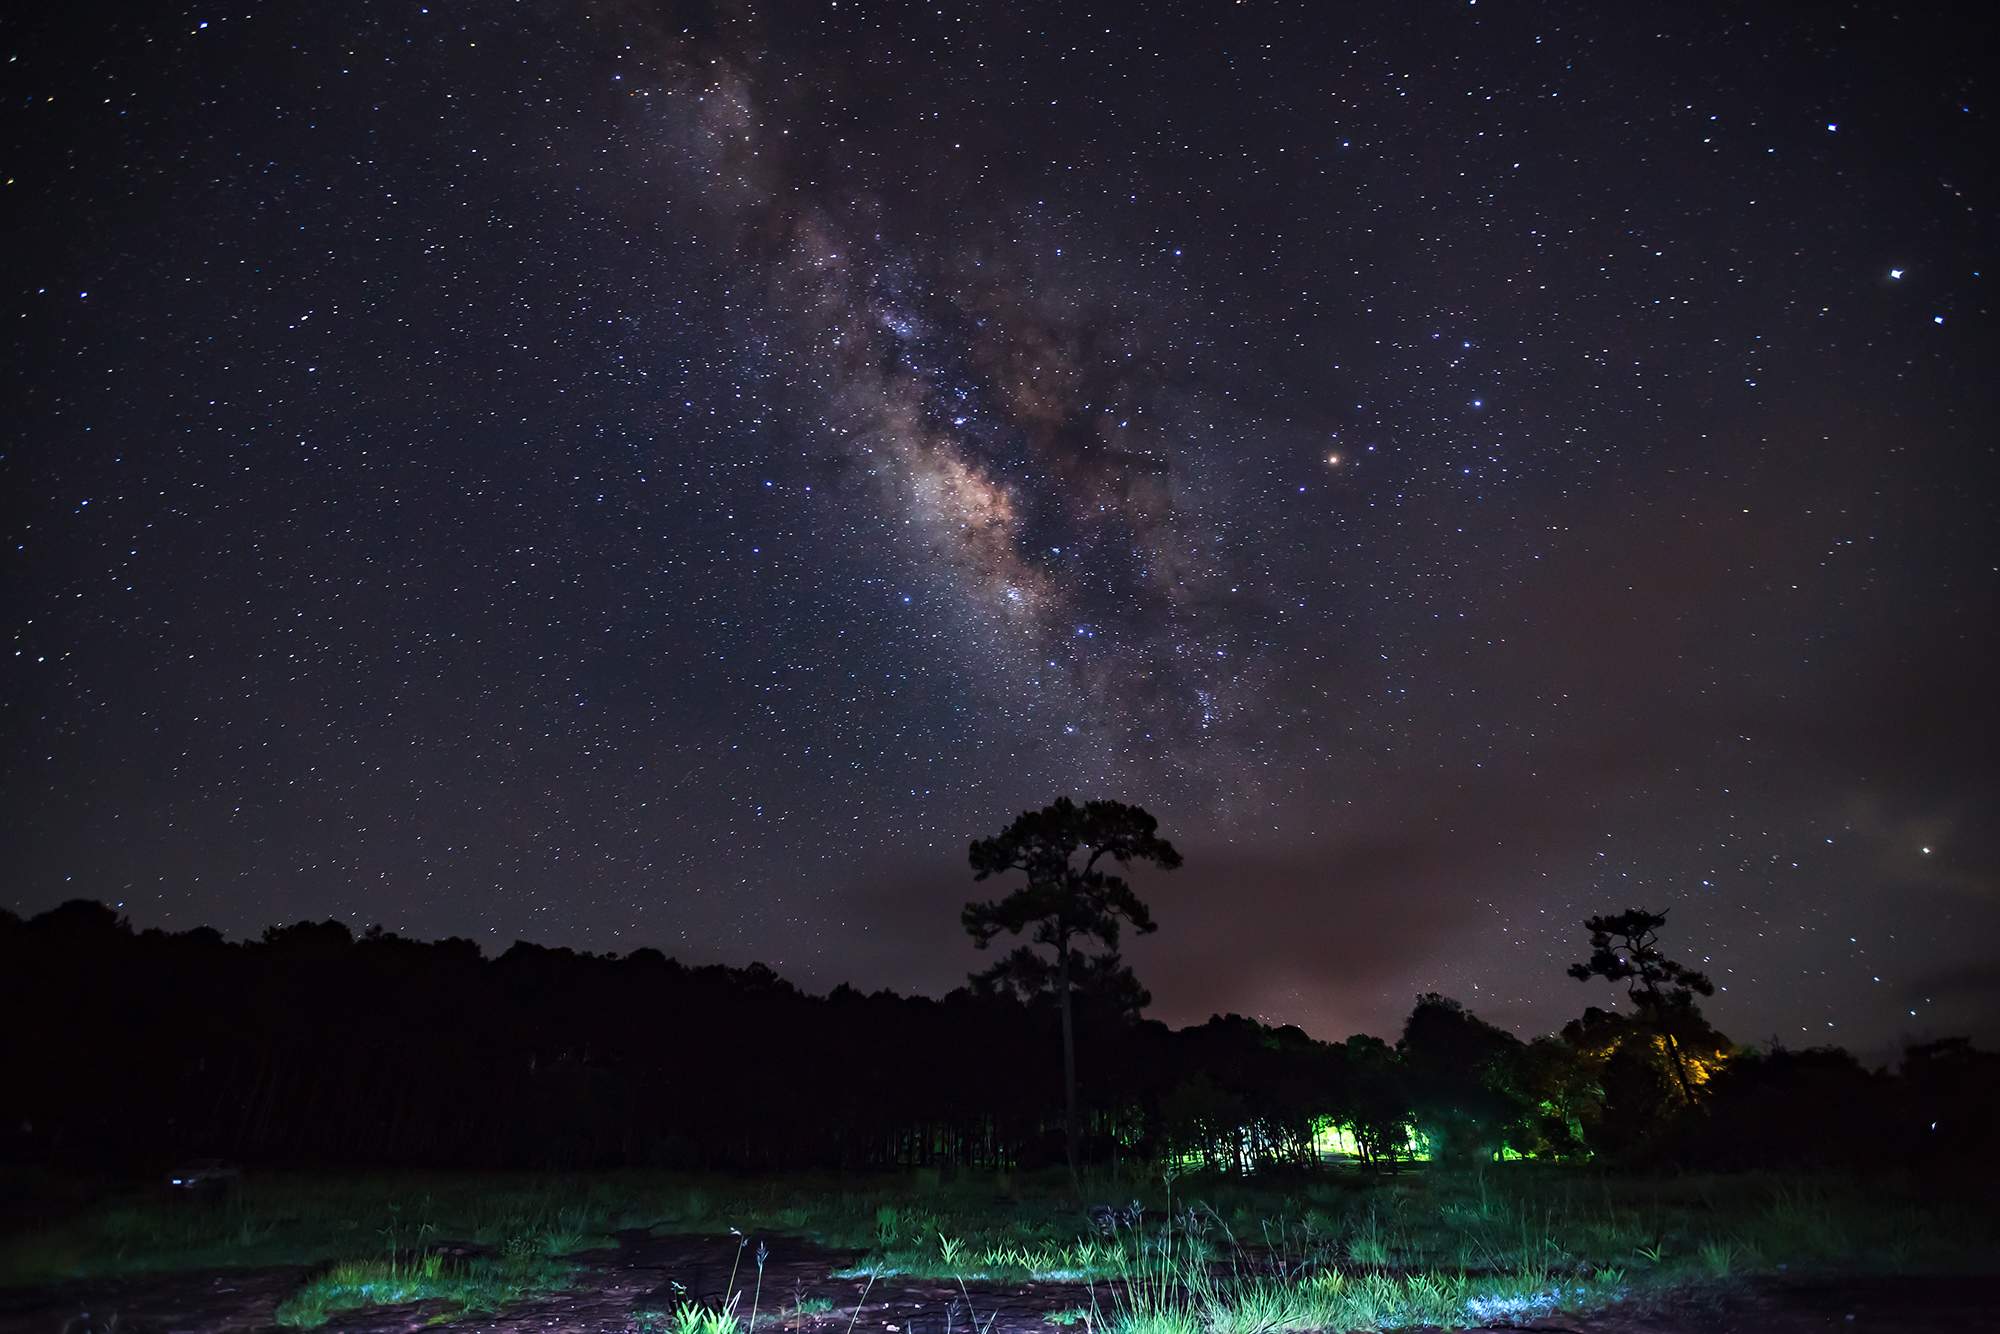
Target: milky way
(658, 474)
(993, 406)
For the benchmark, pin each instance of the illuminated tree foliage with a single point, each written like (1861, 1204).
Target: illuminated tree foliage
(1070, 897)
(1454, 1067)
(1625, 947)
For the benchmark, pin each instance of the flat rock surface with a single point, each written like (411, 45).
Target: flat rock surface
(611, 1289)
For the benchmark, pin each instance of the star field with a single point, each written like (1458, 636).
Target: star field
(630, 474)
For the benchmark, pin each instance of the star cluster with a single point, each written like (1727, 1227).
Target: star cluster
(623, 474)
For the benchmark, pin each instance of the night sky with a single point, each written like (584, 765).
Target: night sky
(626, 474)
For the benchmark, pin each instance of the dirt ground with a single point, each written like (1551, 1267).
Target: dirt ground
(642, 1274)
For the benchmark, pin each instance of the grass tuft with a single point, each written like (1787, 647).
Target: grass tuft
(462, 1286)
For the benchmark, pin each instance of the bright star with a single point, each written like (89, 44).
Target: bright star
(1895, 273)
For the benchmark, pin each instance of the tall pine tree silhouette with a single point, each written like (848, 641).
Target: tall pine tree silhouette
(1070, 899)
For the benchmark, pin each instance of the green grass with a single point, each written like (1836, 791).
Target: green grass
(461, 1286)
(692, 1318)
(1496, 1245)
(1505, 1220)
(1298, 1279)
(1496, 1219)
(1340, 1250)
(97, 1229)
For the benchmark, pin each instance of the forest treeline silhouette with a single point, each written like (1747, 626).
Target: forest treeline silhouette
(314, 1046)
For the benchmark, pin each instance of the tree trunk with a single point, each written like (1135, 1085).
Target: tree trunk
(1680, 1066)
(1662, 1025)
(1069, 1067)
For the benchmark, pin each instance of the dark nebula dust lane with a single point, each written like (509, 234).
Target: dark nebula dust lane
(656, 474)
